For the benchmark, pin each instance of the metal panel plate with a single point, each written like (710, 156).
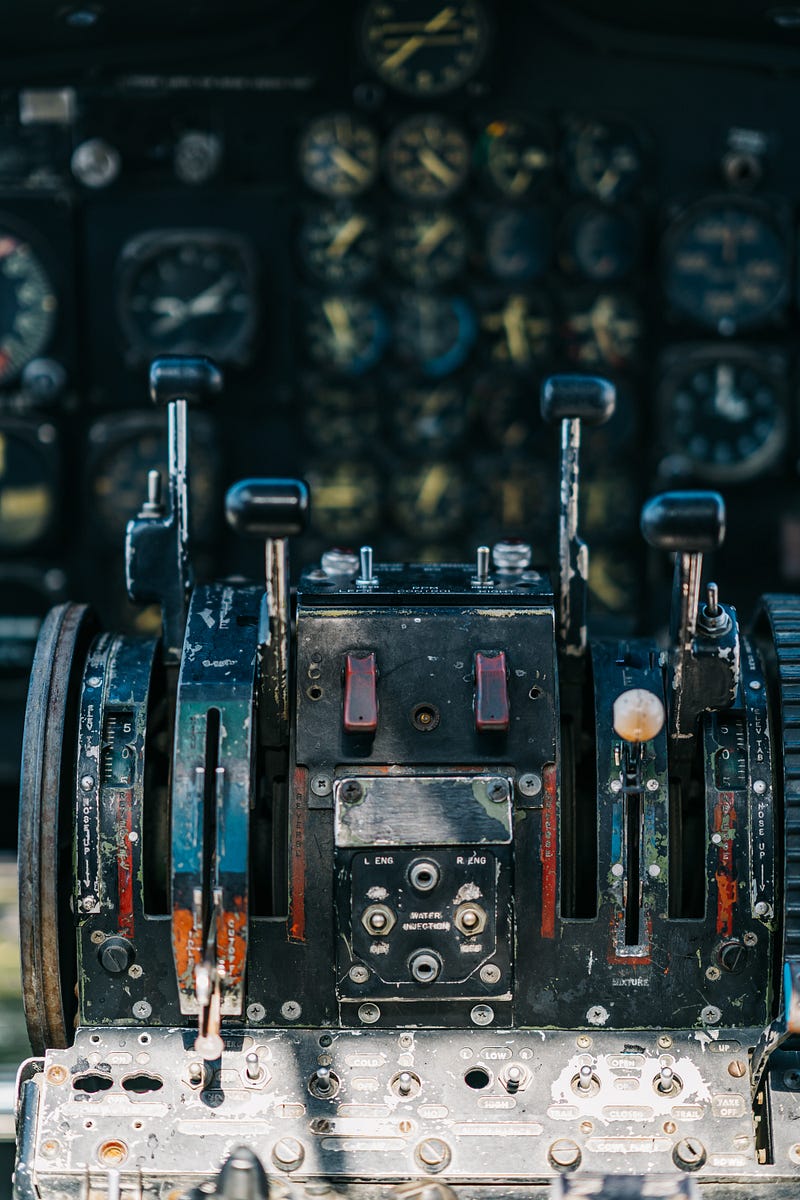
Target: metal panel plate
(422, 810)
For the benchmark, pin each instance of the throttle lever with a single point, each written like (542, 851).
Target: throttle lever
(272, 510)
(158, 565)
(691, 524)
(574, 400)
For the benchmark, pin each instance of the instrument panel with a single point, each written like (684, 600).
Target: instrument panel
(388, 226)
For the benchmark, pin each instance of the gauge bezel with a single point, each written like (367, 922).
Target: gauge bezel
(50, 450)
(484, 44)
(315, 213)
(395, 138)
(679, 362)
(333, 194)
(26, 235)
(571, 124)
(542, 183)
(143, 248)
(773, 215)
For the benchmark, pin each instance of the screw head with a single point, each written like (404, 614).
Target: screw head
(761, 909)
(710, 1015)
(368, 1014)
(652, 785)
(564, 1154)
(142, 1010)
(482, 1014)
(351, 791)
(359, 973)
(737, 1068)
(732, 956)
(497, 790)
(321, 785)
(116, 955)
(490, 973)
(291, 1010)
(288, 1153)
(256, 1012)
(433, 1154)
(529, 784)
(689, 1153)
(583, 1041)
(664, 1042)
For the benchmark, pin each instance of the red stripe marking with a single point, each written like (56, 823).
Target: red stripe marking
(548, 851)
(727, 887)
(124, 826)
(297, 872)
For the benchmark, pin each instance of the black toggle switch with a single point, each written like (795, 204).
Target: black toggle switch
(587, 398)
(192, 378)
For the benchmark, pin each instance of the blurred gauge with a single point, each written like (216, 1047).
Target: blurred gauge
(339, 155)
(340, 247)
(347, 500)
(125, 449)
(508, 410)
(427, 158)
(726, 265)
(518, 329)
(424, 47)
(615, 582)
(726, 417)
(598, 243)
(346, 334)
(519, 499)
(515, 157)
(603, 159)
(430, 501)
(28, 482)
(609, 503)
(188, 292)
(434, 334)
(519, 245)
(428, 420)
(28, 306)
(602, 330)
(335, 416)
(428, 247)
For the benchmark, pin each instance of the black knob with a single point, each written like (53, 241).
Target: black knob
(184, 377)
(587, 398)
(116, 954)
(685, 522)
(268, 508)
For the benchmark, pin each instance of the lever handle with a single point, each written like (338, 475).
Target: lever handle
(586, 398)
(188, 377)
(684, 522)
(268, 508)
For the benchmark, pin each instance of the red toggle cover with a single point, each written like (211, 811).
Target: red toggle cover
(360, 692)
(491, 693)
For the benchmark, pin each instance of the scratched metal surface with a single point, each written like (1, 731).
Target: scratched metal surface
(179, 1135)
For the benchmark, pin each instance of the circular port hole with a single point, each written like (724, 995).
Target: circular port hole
(534, 693)
(314, 692)
(425, 717)
(424, 876)
(477, 1078)
(425, 966)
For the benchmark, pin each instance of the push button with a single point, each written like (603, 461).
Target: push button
(491, 693)
(360, 692)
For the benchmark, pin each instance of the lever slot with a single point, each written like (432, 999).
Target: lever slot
(210, 804)
(633, 817)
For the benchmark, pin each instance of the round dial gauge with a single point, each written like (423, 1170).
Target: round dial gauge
(340, 248)
(427, 158)
(346, 334)
(186, 292)
(28, 486)
(27, 306)
(507, 410)
(726, 266)
(602, 330)
(518, 245)
(430, 419)
(336, 416)
(424, 47)
(599, 244)
(119, 477)
(430, 501)
(518, 329)
(347, 500)
(727, 416)
(515, 157)
(435, 334)
(428, 248)
(604, 159)
(339, 155)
